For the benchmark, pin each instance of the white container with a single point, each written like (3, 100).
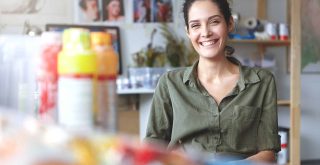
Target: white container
(283, 31)
(145, 77)
(17, 72)
(283, 155)
(271, 29)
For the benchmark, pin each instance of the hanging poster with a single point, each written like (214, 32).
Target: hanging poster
(152, 11)
(87, 11)
(112, 10)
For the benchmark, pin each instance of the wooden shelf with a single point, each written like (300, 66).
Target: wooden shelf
(261, 42)
(135, 91)
(283, 102)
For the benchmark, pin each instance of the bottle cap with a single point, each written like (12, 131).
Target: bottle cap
(101, 38)
(76, 56)
(76, 39)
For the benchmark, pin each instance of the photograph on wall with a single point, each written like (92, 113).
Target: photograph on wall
(162, 11)
(113, 30)
(152, 11)
(142, 11)
(87, 11)
(310, 36)
(113, 10)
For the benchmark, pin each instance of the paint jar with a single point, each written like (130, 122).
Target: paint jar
(283, 31)
(283, 155)
(271, 29)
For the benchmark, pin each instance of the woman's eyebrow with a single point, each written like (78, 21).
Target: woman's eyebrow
(211, 17)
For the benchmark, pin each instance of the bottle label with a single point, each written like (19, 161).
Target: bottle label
(106, 96)
(75, 102)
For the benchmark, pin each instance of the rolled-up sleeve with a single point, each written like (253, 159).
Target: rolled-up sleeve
(268, 138)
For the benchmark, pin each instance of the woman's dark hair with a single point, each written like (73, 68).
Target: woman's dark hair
(223, 5)
(83, 4)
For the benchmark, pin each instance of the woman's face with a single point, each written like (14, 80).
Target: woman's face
(114, 8)
(208, 30)
(92, 9)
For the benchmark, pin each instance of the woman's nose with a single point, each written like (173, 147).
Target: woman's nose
(206, 32)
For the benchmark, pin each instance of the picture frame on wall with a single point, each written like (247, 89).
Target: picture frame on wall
(145, 11)
(113, 10)
(90, 11)
(113, 30)
(87, 11)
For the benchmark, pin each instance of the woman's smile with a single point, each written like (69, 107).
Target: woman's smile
(209, 43)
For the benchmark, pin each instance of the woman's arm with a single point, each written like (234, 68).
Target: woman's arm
(264, 156)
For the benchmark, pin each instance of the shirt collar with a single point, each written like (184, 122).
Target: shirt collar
(247, 75)
(190, 73)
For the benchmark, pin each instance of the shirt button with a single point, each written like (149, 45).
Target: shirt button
(215, 115)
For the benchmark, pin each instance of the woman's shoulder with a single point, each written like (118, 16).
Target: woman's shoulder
(174, 74)
(262, 73)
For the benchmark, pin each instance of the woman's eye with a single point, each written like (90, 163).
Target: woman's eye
(194, 26)
(214, 22)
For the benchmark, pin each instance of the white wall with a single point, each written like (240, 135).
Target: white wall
(136, 36)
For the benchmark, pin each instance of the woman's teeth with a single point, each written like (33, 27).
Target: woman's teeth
(208, 43)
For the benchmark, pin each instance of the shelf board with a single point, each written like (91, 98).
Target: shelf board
(135, 91)
(261, 42)
(283, 102)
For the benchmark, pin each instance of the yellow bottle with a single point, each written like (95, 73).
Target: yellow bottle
(77, 66)
(107, 70)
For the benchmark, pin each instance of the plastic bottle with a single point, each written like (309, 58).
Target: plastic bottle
(76, 67)
(47, 76)
(107, 61)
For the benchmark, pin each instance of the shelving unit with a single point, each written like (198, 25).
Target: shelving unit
(294, 45)
(263, 43)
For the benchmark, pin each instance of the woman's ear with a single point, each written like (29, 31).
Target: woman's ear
(231, 25)
(187, 30)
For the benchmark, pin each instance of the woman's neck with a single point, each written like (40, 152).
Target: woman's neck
(214, 70)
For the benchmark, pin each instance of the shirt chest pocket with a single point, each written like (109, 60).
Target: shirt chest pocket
(245, 121)
(245, 117)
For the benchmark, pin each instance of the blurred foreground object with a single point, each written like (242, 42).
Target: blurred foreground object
(107, 70)
(77, 67)
(47, 76)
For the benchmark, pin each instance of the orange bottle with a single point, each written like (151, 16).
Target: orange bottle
(107, 70)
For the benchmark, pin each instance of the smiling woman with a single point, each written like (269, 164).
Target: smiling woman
(217, 106)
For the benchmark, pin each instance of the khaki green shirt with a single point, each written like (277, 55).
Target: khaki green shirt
(184, 115)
